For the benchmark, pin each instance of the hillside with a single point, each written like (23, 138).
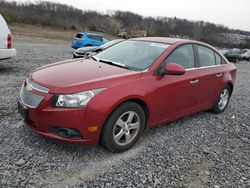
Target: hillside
(69, 19)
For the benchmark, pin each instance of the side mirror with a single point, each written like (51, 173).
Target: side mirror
(173, 69)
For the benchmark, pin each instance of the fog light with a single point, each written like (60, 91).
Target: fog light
(67, 133)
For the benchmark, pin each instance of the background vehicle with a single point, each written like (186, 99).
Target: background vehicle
(138, 83)
(234, 55)
(91, 50)
(88, 39)
(246, 55)
(6, 50)
(223, 51)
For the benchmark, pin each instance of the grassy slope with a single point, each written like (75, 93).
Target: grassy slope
(45, 33)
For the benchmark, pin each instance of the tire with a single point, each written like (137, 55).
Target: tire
(127, 119)
(237, 60)
(222, 100)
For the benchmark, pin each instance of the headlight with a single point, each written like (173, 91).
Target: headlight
(76, 100)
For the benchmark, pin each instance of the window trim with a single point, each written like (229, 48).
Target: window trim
(222, 61)
(197, 68)
(215, 58)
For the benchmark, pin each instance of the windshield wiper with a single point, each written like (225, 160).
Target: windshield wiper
(94, 58)
(113, 63)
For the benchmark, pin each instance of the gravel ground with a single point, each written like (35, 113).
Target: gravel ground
(203, 150)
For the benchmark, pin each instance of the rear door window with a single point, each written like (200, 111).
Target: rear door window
(183, 55)
(95, 37)
(206, 56)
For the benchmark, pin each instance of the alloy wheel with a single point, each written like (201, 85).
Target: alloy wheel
(224, 98)
(126, 128)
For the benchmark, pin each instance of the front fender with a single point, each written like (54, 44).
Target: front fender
(104, 103)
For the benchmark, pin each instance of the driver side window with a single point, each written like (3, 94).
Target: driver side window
(183, 55)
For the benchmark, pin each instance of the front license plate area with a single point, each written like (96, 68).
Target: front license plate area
(23, 111)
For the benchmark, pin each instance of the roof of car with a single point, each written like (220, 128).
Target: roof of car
(86, 33)
(162, 39)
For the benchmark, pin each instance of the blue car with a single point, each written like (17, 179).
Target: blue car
(88, 39)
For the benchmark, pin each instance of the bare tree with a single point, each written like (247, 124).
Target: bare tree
(114, 22)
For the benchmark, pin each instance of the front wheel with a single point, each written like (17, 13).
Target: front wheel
(222, 100)
(123, 127)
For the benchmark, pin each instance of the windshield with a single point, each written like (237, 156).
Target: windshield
(137, 55)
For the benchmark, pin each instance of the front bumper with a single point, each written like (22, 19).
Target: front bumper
(7, 53)
(44, 118)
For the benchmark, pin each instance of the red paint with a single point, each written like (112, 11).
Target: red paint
(167, 97)
(174, 69)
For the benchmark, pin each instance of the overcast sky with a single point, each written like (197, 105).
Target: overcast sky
(232, 13)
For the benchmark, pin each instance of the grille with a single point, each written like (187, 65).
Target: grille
(29, 99)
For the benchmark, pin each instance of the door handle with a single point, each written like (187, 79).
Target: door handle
(194, 81)
(219, 75)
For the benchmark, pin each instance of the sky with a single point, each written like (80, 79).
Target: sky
(234, 14)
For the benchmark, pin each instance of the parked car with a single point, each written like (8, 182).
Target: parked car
(6, 50)
(234, 55)
(137, 83)
(88, 39)
(246, 55)
(223, 51)
(92, 50)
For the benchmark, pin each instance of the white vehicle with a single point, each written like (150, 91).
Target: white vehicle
(6, 51)
(246, 55)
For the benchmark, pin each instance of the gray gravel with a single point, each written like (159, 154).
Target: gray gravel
(203, 150)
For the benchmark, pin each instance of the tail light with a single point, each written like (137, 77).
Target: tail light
(9, 41)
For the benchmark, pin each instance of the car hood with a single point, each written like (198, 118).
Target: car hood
(80, 75)
(85, 49)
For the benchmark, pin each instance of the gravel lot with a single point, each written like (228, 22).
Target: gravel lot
(203, 150)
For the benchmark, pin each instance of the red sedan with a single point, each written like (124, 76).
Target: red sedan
(138, 83)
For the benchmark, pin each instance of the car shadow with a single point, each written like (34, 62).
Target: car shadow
(81, 161)
(6, 68)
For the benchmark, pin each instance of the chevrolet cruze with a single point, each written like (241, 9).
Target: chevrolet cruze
(112, 97)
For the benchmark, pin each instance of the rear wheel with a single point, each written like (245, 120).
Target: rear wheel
(222, 100)
(123, 127)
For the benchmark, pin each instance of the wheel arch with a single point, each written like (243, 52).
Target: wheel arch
(143, 104)
(137, 100)
(230, 84)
